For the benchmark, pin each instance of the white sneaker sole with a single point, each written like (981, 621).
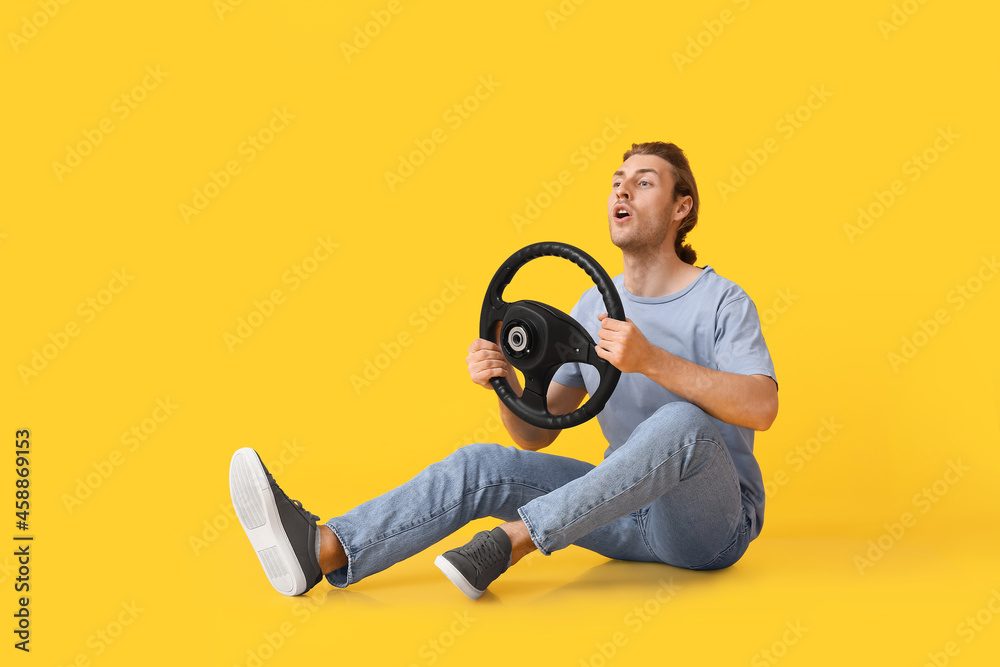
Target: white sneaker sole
(456, 578)
(254, 504)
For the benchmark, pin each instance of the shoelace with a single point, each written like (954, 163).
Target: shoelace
(485, 552)
(296, 503)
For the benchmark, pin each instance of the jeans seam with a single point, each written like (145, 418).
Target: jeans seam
(741, 524)
(457, 504)
(638, 481)
(531, 532)
(740, 529)
(642, 520)
(349, 579)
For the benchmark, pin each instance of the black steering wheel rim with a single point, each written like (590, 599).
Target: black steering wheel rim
(530, 406)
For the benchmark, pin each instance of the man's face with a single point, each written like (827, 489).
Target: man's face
(641, 205)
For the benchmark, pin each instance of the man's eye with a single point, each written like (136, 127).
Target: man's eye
(615, 184)
(643, 182)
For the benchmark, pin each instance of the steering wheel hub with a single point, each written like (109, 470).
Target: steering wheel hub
(518, 338)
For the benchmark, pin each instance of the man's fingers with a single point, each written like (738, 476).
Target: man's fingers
(482, 344)
(608, 334)
(489, 363)
(486, 361)
(610, 324)
(482, 377)
(483, 355)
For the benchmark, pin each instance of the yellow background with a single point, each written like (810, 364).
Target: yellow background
(155, 534)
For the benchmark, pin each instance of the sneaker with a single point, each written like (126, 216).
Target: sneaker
(477, 565)
(281, 531)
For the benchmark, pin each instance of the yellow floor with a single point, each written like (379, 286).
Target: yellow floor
(793, 601)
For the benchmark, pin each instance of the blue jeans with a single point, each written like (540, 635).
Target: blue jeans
(670, 494)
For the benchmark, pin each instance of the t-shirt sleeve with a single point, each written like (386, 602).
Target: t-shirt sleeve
(569, 374)
(739, 343)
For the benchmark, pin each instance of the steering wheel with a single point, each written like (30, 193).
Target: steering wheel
(536, 339)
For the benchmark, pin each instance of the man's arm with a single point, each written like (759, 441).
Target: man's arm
(560, 400)
(743, 400)
(486, 361)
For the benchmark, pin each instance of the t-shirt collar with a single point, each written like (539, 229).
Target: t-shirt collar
(669, 297)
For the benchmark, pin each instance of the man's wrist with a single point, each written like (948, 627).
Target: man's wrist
(657, 361)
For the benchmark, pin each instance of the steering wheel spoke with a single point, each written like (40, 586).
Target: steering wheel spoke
(594, 359)
(534, 401)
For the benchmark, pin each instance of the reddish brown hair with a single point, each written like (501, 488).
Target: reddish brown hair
(684, 186)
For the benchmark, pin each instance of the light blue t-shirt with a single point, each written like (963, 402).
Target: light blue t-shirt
(711, 322)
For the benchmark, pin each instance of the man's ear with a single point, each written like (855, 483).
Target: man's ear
(683, 207)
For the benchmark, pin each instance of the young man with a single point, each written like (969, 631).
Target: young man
(679, 483)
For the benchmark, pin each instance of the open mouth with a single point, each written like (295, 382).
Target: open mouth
(621, 213)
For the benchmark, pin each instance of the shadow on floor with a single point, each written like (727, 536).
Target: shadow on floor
(629, 579)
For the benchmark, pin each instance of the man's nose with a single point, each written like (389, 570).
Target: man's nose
(621, 193)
